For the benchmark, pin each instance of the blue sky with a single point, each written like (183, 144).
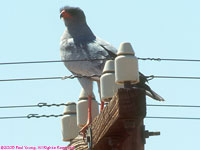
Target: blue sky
(30, 30)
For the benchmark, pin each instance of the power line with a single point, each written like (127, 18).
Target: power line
(186, 106)
(175, 118)
(32, 116)
(31, 62)
(38, 105)
(29, 116)
(41, 104)
(170, 59)
(18, 106)
(16, 117)
(43, 116)
(170, 77)
(93, 59)
(79, 76)
(49, 61)
(26, 79)
(49, 78)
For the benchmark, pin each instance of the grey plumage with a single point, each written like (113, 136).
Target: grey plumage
(78, 42)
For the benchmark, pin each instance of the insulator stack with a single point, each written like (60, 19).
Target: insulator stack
(126, 65)
(70, 129)
(82, 109)
(107, 81)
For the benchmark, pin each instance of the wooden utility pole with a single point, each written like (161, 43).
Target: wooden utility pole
(120, 125)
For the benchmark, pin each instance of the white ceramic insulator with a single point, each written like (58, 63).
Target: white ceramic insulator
(108, 86)
(70, 108)
(83, 95)
(126, 65)
(82, 111)
(107, 82)
(70, 129)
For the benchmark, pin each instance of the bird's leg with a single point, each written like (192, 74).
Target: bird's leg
(102, 106)
(102, 103)
(83, 130)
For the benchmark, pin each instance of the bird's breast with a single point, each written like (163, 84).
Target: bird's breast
(77, 59)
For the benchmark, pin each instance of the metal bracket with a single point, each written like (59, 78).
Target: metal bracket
(147, 134)
(89, 138)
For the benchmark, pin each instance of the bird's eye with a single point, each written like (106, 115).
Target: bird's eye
(70, 12)
(73, 12)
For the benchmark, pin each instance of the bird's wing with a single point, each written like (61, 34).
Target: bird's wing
(111, 50)
(100, 49)
(95, 50)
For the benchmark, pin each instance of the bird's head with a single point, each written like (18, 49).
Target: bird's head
(72, 15)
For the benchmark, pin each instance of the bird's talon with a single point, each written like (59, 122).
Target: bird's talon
(83, 130)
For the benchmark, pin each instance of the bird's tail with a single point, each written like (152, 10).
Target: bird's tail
(154, 95)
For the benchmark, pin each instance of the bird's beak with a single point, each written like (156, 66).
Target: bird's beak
(61, 14)
(65, 14)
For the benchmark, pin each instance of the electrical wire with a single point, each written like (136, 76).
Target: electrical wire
(49, 78)
(41, 104)
(175, 118)
(79, 76)
(170, 59)
(29, 79)
(32, 116)
(49, 61)
(60, 115)
(16, 117)
(56, 61)
(38, 105)
(170, 77)
(184, 106)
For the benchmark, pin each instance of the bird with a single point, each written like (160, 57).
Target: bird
(78, 42)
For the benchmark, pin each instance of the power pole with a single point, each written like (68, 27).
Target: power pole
(120, 125)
